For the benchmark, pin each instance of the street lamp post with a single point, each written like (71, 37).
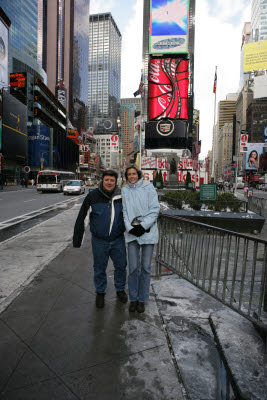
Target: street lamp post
(140, 145)
(120, 149)
(238, 158)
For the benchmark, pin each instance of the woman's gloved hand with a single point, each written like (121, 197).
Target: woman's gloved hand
(138, 230)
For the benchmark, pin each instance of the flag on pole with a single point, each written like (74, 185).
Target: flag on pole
(140, 89)
(215, 81)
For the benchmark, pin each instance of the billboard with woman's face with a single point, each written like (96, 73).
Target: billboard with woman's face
(252, 160)
(4, 77)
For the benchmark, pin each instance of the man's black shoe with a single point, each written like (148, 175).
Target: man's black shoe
(140, 307)
(100, 300)
(122, 296)
(133, 306)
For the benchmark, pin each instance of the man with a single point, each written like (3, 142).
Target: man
(107, 229)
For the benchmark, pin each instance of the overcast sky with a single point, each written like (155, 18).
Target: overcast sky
(218, 37)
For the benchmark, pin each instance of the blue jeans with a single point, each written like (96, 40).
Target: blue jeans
(102, 250)
(139, 273)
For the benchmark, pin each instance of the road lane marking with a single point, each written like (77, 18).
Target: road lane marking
(26, 201)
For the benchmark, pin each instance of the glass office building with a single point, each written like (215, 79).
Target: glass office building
(104, 78)
(81, 50)
(259, 20)
(23, 15)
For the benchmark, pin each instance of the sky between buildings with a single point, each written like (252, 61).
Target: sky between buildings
(218, 38)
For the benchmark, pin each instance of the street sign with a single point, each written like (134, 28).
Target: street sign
(243, 141)
(27, 169)
(208, 192)
(114, 143)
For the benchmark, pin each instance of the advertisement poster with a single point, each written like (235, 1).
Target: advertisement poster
(0, 120)
(38, 145)
(169, 26)
(14, 128)
(4, 78)
(167, 88)
(252, 156)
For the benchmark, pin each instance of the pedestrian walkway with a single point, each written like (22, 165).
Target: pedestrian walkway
(11, 188)
(55, 344)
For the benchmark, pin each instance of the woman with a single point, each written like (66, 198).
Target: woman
(140, 213)
(253, 159)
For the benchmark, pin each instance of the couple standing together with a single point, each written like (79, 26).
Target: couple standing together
(135, 210)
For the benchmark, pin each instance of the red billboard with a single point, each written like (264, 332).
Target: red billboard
(167, 88)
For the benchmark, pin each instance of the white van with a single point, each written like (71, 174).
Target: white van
(239, 182)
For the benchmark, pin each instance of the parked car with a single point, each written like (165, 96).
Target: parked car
(74, 187)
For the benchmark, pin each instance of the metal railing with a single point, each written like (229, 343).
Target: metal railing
(229, 266)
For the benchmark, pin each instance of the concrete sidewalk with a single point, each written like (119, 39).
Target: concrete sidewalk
(54, 343)
(12, 188)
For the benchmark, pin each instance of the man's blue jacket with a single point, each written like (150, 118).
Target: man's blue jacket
(106, 217)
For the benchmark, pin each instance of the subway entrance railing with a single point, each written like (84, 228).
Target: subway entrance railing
(229, 266)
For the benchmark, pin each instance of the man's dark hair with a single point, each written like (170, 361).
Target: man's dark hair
(110, 172)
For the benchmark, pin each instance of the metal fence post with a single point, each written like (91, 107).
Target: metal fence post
(265, 295)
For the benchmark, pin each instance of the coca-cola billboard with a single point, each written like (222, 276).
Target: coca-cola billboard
(167, 88)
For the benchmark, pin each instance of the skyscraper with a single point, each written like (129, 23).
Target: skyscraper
(127, 112)
(63, 52)
(259, 20)
(23, 36)
(104, 79)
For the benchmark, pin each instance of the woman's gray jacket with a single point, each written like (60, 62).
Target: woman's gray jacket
(141, 200)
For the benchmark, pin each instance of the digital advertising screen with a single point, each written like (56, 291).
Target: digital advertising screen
(14, 127)
(165, 134)
(167, 88)
(169, 26)
(4, 78)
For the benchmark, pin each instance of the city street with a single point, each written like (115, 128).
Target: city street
(21, 202)
(57, 345)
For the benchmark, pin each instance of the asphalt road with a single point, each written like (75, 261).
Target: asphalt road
(256, 193)
(17, 203)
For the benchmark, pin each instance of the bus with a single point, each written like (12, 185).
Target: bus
(52, 181)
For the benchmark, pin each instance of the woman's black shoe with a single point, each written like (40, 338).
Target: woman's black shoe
(140, 307)
(133, 306)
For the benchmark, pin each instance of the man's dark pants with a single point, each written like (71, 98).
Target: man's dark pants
(102, 250)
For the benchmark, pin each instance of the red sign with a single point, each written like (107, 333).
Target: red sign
(167, 88)
(114, 138)
(244, 138)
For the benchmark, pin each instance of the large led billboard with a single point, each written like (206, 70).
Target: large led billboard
(4, 78)
(166, 134)
(169, 26)
(14, 124)
(167, 88)
(255, 56)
